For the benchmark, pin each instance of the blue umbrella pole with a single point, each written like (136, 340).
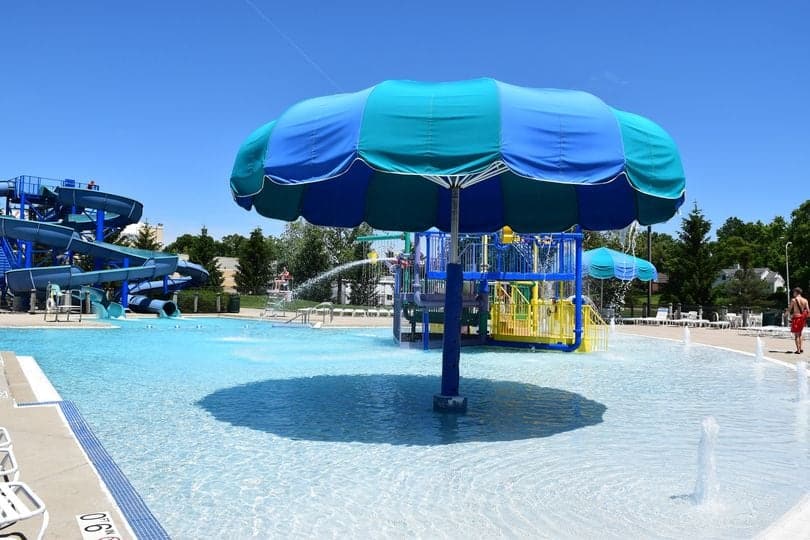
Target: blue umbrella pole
(449, 400)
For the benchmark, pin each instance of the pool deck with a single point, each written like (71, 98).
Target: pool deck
(54, 465)
(50, 459)
(778, 348)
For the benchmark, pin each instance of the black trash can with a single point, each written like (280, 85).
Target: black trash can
(772, 318)
(233, 303)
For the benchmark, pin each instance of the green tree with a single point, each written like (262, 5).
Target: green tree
(204, 252)
(745, 289)
(253, 272)
(309, 260)
(146, 238)
(183, 244)
(798, 232)
(340, 245)
(693, 270)
(230, 245)
(289, 244)
(364, 283)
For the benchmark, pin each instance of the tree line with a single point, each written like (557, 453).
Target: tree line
(692, 260)
(305, 250)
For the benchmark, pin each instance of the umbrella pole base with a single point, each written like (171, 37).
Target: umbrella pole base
(449, 404)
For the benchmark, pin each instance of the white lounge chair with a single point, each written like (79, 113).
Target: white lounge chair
(720, 323)
(693, 320)
(661, 317)
(17, 503)
(5, 438)
(9, 471)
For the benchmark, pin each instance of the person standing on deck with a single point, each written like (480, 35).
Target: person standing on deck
(799, 311)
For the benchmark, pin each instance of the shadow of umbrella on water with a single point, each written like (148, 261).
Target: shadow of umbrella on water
(389, 409)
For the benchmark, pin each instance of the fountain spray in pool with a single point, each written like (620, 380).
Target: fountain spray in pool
(337, 270)
(687, 336)
(801, 373)
(706, 487)
(759, 353)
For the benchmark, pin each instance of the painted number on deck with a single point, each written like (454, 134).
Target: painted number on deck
(98, 526)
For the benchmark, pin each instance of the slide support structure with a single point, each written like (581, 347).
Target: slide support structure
(125, 287)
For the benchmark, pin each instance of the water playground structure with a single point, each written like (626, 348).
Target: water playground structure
(51, 225)
(520, 290)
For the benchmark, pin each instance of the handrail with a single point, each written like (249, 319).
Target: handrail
(304, 313)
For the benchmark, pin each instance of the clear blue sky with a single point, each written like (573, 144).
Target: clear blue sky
(153, 98)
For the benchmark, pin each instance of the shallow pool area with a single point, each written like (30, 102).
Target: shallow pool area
(240, 429)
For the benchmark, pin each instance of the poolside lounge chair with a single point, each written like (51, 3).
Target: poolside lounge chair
(9, 471)
(721, 322)
(661, 317)
(754, 326)
(693, 320)
(17, 503)
(5, 438)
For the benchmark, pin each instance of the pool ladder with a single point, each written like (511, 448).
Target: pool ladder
(304, 314)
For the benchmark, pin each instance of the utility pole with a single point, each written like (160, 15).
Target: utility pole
(787, 272)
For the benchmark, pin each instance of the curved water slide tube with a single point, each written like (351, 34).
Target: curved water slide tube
(69, 204)
(191, 275)
(144, 265)
(102, 307)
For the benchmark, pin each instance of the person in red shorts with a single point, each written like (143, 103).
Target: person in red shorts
(799, 311)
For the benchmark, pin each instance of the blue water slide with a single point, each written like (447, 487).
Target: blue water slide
(70, 203)
(102, 306)
(142, 265)
(191, 275)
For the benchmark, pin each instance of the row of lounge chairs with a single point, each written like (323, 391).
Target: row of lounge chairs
(362, 312)
(18, 502)
(692, 319)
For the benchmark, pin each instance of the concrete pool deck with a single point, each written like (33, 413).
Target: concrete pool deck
(50, 459)
(54, 465)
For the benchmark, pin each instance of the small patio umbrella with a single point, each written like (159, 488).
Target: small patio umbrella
(605, 263)
(467, 156)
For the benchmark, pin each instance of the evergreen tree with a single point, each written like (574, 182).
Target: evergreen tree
(693, 270)
(204, 252)
(253, 271)
(146, 238)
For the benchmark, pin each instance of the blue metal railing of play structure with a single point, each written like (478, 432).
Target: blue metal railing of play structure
(543, 257)
(32, 185)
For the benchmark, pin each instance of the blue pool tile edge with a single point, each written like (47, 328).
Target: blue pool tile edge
(143, 523)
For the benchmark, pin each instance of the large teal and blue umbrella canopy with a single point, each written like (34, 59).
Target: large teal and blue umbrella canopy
(606, 263)
(533, 159)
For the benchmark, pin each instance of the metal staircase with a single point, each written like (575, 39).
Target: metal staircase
(5, 266)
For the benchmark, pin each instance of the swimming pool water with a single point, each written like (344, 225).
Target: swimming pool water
(238, 429)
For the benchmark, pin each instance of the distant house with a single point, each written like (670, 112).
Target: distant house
(774, 280)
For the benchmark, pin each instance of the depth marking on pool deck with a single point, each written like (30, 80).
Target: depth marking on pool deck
(143, 523)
